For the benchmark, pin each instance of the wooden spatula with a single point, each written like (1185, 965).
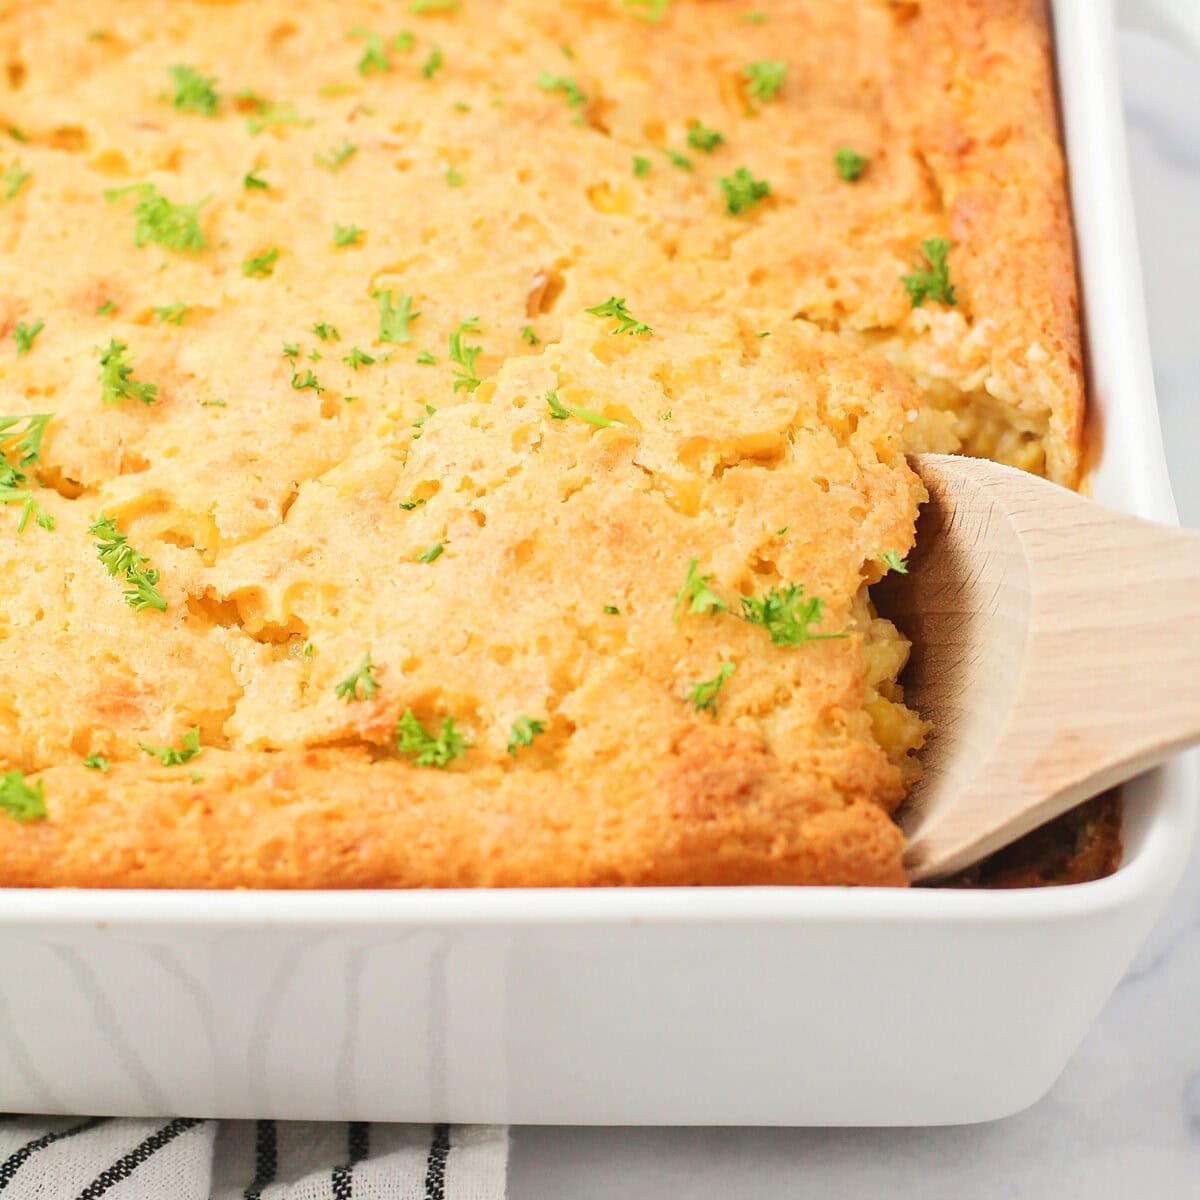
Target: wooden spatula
(1056, 649)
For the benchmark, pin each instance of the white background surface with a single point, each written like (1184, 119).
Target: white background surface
(1123, 1122)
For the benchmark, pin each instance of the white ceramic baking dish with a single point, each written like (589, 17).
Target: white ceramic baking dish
(738, 1006)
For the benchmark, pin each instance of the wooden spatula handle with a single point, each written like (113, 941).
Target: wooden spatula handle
(1078, 630)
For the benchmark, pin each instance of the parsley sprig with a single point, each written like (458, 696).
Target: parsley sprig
(16, 487)
(337, 156)
(414, 739)
(116, 377)
(696, 598)
(787, 615)
(849, 163)
(193, 92)
(933, 280)
(701, 137)
(763, 80)
(395, 316)
(20, 801)
(120, 558)
(360, 684)
(575, 96)
(158, 220)
(12, 178)
(464, 356)
(261, 264)
(522, 733)
(175, 756)
(741, 191)
(616, 307)
(704, 693)
(24, 336)
(560, 412)
(892, 560)
(374, 60)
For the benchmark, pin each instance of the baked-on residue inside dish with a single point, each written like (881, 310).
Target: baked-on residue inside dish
(476, 426)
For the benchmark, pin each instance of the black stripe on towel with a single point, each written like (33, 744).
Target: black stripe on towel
(358, 1138)
(11, 1165)
(126, 1165)
(266, 1158)
(435, 1165)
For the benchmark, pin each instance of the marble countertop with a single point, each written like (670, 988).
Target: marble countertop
(1124, 1119)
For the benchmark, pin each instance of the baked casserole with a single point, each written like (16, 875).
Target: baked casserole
(451, 443)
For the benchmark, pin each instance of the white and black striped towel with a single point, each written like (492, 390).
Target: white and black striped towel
(69, 1158)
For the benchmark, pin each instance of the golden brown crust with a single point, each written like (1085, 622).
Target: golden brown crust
(718, 809)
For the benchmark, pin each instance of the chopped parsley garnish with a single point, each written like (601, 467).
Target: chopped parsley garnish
(425, 359)
(522, 733)
(453, 177)
(615, 307)
(290, 350)
(261, 264)
(527, 335)
(175, 226)
(549, 82)
(212, 404)
(787, 616)
(641, 165)
(762, 80)
(174, 313)
(251, 182)
(892, 560)
(360, 684)
(14, 480)
(20, 801)
(337, 156)
(171, 756)
(104, 309)
(432, 64)
(464, 356)
(24, 336)
(409, 505)
(419, 423)
(741, 191)
(849, 163)
(434, 6)
(357, 358)
(428, 751)
(648, 10)
(612, 610)
(696, 598)
(29, 445)
(932, 280)
(395, 316)
(701, 137)
(120, 558)
(12, 179)
(431, 553)
(559, 412)
(346, 235)
(374, 59)
(97, 762)
(676, 159)
(753, 17)
(326, 332)
(307, 381)
(193, 92)
(704, 694)
(267, 115)
(116, 377)
(403, 41)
